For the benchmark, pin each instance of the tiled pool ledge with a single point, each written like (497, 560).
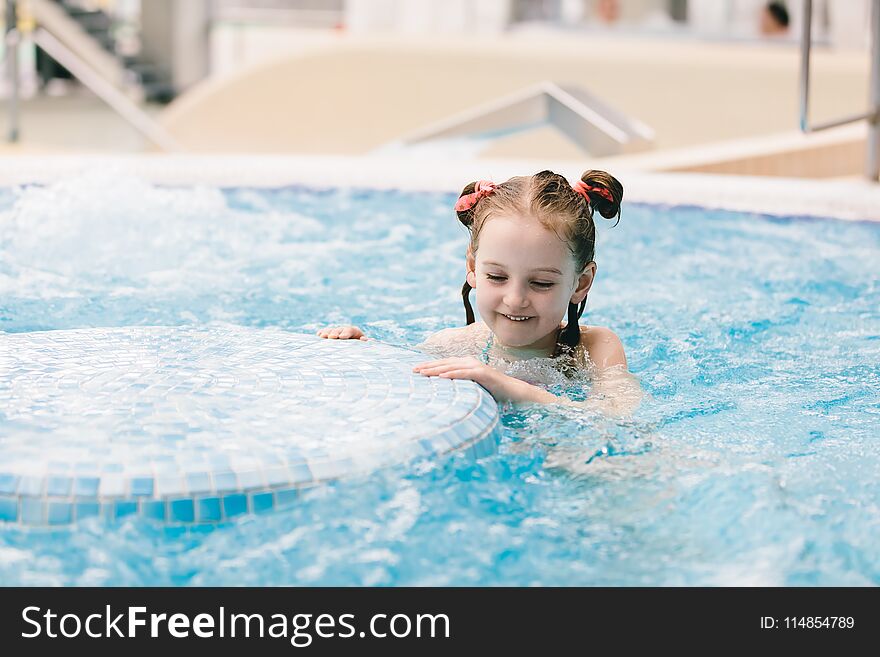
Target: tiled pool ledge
(203, 424)
(843, 199)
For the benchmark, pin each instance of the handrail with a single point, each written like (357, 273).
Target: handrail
(116, 99)
(12, 39)
(106, 91)
(872, 116)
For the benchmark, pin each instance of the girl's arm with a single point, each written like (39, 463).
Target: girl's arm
(502, 386)
(614, 391)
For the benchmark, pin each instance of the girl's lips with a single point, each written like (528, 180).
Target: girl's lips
(517, 321)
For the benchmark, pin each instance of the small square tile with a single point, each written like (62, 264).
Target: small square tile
(8, 484)
(170, 486)
(181, 510)
(235, 505)
(300, 473)
(153, 509)
(8, 508)
(276, 476)
(285, 497)
(198, 482)
(58, 486)
(249, 480)
(208, 509)
(124, 508)
(87, 510)
(60, 513)
(86, 486)
(141, 486)
(33, 511)
(262, 502)
(30, 485)
(225, 482)
(111, 485)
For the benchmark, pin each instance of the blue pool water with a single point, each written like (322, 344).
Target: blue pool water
(752, 460)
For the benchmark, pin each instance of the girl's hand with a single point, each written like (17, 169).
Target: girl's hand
(501, 386)
(342, 333)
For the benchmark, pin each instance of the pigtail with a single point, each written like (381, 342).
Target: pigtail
(466, 214)
(464, 210)
(468, 309)
(603, 191)
(570, 336)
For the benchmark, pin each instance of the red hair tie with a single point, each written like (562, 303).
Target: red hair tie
(481, 189)
(582, 188)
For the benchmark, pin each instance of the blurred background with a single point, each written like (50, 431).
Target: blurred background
(655, 85)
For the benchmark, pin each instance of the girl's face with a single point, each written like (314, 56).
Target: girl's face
(523, 270)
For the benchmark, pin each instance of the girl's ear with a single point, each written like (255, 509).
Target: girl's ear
(471, 265)
(585, 282)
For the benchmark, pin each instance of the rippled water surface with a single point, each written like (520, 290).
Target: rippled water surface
(752, 460)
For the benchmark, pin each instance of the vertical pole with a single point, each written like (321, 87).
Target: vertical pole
(806, 38)
(12, 39)
(872, 167)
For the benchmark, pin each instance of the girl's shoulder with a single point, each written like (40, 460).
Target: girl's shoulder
(456, 341)
(474, 330)
(602, 346)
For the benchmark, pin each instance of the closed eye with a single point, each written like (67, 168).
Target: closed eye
(539, 284)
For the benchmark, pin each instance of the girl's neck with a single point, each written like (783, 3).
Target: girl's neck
(544, 348)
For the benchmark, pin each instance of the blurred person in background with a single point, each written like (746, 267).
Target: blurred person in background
(774, 19)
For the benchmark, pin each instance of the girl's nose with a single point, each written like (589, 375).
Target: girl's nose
(515, 298)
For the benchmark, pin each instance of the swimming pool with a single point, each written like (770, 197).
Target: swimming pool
(752, 460)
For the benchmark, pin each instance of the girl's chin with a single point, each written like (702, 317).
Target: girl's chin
(513, 335)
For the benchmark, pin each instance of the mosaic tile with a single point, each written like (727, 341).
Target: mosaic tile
(8, 483)
(124, 508)
(86, 486)
(9, 509)
(181, 510)
(208, 509)
(153, 509)
(261, 502)
(87, 510)
(32, 510)
(59, 513)
(198, 424)
(235, 505)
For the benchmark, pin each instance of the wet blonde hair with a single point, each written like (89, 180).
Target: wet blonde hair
(549, 198)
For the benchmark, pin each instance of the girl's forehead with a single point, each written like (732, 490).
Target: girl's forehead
(520, 235)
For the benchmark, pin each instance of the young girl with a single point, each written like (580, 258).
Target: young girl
(530, 260)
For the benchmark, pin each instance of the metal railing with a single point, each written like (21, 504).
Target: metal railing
(12, 39)
(106, 91)
(872, 116)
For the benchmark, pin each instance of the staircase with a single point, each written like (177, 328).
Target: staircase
(90, 33)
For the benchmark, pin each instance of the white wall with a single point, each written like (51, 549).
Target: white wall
(175, 36)
(427, 16)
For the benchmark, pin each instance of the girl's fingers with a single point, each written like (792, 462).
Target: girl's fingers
(452, 371)
(434, 369)
(341, 333)
(460, 374)
(436, 363)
